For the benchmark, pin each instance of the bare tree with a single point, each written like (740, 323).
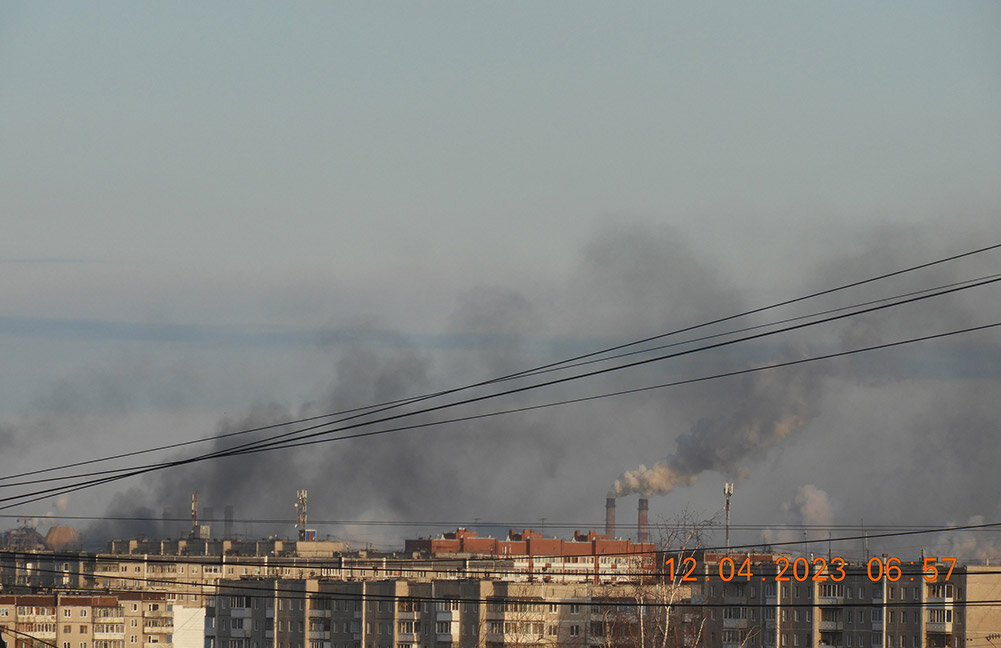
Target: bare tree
(654, 616)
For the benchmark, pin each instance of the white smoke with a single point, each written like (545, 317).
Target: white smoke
(811, 507)
(771, 407)
(657, 480)
(815, 506)
(970, 545)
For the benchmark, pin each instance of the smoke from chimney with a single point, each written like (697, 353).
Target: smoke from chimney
(770, 409)
(610, 517)
(643, 521)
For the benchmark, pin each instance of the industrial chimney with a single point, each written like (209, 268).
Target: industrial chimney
(643, 521)
(228, 524)
(610, 517)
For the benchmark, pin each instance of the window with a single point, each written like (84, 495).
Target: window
(574, 609)
(575, 631)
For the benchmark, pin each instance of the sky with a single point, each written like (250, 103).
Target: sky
(217, 215)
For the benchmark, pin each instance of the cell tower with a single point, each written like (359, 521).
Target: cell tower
(727, 492)
(194, 514)
(300, 507)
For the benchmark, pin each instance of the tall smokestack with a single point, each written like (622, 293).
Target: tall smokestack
(643, 521)
(194, 513)
(228, 524)
(610, 517)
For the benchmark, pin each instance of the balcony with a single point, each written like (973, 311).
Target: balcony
(736, 623)
(831, 626)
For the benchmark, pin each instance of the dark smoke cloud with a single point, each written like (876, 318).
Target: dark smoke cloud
(765, 410)
(806, 423)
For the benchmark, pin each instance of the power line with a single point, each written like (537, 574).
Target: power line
(282, 441)
(515, 524)
(241, 586)
(396, 403)
(740, 548)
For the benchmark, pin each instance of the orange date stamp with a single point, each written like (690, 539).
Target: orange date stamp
(818, 569)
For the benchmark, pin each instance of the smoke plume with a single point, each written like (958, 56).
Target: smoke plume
(770, 408)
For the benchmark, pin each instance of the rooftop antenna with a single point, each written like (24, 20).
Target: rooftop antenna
(300, 507)
(727, 492)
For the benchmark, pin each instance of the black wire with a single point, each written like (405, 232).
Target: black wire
(469, 524)
(255, 584)
(392, 404)
(297, 594)
(278, 441)
(739, 548)
(26, 498)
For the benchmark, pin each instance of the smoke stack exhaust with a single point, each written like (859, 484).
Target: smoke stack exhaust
(643, 521)
(610, 517)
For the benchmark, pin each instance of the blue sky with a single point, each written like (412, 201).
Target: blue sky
(174, 173)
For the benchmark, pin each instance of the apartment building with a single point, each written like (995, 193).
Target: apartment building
(71, 621)
(30, 571)
(885, 603)
(398, 613)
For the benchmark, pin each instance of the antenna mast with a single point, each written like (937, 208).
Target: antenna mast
(727, 492)
(300, 507)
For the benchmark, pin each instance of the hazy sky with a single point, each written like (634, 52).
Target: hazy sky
(209, 208)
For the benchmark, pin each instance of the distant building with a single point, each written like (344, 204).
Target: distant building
(864, 609)
(109, 621)
(586, 557)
